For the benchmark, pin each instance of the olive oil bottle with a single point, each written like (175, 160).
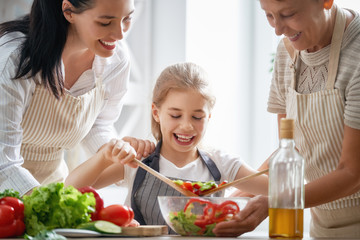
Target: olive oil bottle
(286, 187)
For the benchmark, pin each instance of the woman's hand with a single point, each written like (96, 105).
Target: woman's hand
(255, 211)
(142, 147)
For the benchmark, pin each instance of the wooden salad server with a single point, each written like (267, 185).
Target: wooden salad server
(165, 179)
(238, 181)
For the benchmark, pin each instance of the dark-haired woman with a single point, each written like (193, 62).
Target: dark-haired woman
(63, 74)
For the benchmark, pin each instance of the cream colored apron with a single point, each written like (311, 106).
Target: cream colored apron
(51, 125)
(319, 131)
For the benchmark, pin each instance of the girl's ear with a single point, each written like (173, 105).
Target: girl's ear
(67, 9)
(328, 4)
(155, 112)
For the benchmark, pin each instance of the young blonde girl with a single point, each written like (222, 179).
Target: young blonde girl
(181, 109)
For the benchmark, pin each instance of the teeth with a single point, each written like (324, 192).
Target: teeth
(108, 43)
(183, 138)
(294, 36)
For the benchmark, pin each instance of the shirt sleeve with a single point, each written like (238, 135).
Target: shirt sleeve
(280, 82)
(227, 164)
(15, 96)
(116, 80)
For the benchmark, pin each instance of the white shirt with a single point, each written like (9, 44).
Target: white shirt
(15, 98)
(227, 164)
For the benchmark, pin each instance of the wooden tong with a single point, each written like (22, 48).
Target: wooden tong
(238, 181)
(165, 179)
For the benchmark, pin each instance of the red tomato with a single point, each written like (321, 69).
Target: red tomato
(99, 201)
(187, 186)
(7, 215)
(117, 214)
(16, 203)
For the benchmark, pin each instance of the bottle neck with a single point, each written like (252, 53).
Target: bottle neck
(287, 143)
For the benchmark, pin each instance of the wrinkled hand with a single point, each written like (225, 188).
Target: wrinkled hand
(119, 151)
(246, 220)
(142, 147)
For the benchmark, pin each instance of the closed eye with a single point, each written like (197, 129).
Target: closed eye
(175, 116)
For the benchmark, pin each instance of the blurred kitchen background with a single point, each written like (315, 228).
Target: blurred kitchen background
(232, 40)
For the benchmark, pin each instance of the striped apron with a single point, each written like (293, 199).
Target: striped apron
(147, 187)
(50, 126)
(319, 131)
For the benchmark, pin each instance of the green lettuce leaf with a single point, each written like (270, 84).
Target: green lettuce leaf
(54, 206)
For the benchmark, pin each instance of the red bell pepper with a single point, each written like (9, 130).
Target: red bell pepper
(99, 202)
(11, 217)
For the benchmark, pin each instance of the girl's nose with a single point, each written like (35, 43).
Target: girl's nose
(186, 125)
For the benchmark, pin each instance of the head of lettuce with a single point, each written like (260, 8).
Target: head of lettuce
(54, 206)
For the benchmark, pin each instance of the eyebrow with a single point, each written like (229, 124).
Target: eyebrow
(112, 17)
(178, 109)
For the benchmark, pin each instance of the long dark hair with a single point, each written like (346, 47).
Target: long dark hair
(45, 29)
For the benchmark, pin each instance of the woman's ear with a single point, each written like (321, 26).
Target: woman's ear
(328, 4)
(67, 9)
(155, 112)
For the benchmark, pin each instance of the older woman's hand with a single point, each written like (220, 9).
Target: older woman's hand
(247, 220)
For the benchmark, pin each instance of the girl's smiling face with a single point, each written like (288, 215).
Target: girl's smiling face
(98, 28)
(305, 22)
(183, 117)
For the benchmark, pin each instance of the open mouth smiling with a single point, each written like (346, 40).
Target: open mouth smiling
(183, 138)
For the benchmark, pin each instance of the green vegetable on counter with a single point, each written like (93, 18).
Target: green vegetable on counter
(46, 235)
(101, 226)
(10, 193)
(54, 206)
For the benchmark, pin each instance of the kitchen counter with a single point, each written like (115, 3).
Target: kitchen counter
(176, 237)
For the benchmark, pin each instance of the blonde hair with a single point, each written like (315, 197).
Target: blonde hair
(180, 76)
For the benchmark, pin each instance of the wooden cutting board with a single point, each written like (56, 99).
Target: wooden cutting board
(141, 231)
(144, 231)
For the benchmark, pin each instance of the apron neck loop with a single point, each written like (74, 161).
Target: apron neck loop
(336, 40)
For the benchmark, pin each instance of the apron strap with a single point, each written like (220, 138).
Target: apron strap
(336, 40)
(294, 54)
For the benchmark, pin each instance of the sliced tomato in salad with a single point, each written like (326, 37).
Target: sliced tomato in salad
(188, 223)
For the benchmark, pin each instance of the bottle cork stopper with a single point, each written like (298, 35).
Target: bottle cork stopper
(287, 128)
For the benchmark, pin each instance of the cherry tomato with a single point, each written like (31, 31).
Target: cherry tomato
(99, 204)
(16, 203)
(117, 214)
(7, 215)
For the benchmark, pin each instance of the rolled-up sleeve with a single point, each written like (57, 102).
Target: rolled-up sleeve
(15, 96)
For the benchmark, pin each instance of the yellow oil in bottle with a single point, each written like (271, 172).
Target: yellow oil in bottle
(286, 223)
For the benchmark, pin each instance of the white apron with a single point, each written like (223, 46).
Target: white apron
(51, 125)
(319, 131)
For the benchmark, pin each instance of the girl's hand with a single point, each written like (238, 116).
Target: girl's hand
(119, 151)
(142, 147)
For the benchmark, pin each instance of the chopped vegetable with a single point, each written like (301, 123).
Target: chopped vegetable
(54, 206)
(101, 226)
(198, 187)
(187, 223)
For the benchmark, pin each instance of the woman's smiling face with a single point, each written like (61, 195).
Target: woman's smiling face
(304, 22)
(100, 27)
(183, 118)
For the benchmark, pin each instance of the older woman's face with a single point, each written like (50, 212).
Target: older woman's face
(304, 22)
